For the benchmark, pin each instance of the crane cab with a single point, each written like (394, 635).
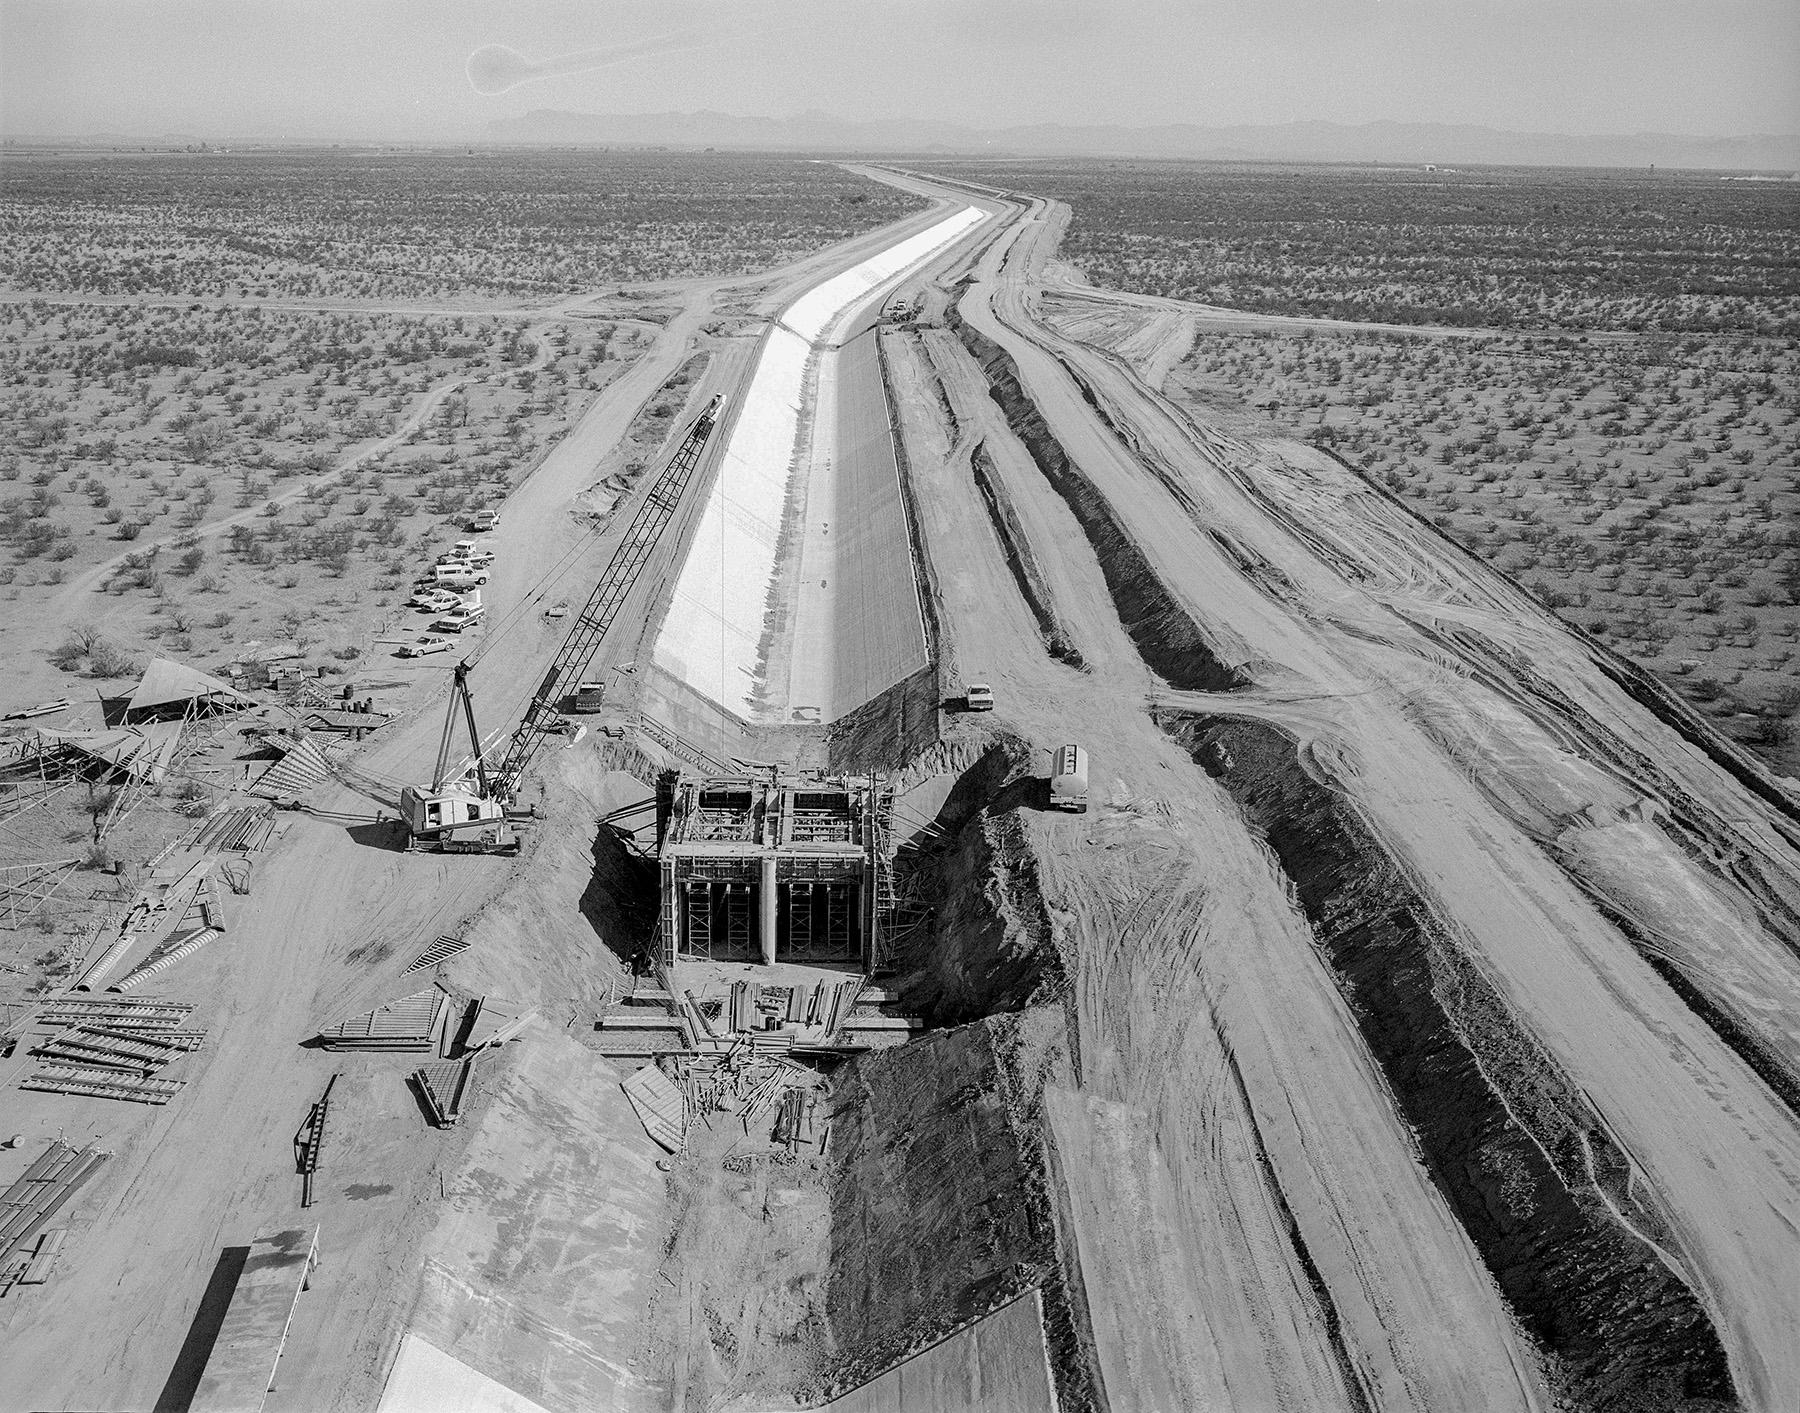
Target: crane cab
(455, 821)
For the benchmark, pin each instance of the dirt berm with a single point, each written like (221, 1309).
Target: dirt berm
(1164, 632)
(1580, 1251)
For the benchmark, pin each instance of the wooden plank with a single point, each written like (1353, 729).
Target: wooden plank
(49, 1243)
(241, 1369)
(659, 1105)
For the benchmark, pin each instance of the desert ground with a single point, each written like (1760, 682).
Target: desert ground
(1408, 1021)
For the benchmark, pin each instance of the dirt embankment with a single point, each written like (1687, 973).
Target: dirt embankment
(1578, 1248)
(988, 947)
(1709, 843)
(941, 1206)
(1021, 560)
(1166, 635)
(650, 434)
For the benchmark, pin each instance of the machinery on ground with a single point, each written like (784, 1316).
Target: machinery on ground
(567, 673)
(1069, 780)
(449, 816)
(464, 815)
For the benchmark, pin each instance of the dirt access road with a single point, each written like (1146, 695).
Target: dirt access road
(334, 912)
(1509, 1130)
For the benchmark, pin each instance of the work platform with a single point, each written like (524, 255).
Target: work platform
(771, 868)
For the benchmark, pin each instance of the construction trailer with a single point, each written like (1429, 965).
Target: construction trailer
(769, 867)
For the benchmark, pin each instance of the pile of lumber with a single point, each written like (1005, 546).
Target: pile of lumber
(745, 1080)
(112, 1049)
(245, 830)
(27, 1249)
(414, 1024)
(821, 1008)
(447, 1087)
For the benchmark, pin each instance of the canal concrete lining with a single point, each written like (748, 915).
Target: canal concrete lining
(797, 601)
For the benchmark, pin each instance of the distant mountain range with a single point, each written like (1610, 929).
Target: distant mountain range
(1286, 142)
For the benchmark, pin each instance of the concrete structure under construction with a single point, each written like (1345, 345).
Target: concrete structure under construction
(770, 868)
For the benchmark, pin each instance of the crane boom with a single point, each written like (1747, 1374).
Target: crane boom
(603, 605)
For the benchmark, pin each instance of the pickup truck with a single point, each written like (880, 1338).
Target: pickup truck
(978, 696)
(458, 619)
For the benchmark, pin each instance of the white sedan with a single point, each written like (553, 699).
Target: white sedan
(425, 645)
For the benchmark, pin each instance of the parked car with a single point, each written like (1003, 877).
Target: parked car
(434, 600)
(458, 619)
(978, 696)
(425, 645)
(484, 520)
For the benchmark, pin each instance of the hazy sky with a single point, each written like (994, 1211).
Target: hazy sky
(397, 68)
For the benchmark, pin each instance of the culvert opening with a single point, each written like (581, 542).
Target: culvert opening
(1526, 1166)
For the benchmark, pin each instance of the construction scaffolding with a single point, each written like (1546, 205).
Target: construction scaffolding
(770, 868)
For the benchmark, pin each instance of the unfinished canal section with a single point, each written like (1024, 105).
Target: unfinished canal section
(1579, 1250)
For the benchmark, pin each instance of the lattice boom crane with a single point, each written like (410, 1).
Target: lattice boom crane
(543, 717)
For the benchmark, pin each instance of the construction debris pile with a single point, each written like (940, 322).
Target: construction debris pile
(113, 1049)
(243, 830)
(744, 1081)
(28, 1244)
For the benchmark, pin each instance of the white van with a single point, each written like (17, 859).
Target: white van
(459, 576)
(1069, 780)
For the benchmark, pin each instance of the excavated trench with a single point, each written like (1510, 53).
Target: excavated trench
(1165, 634)
(1548, 1198)
(942, 1208)
(933, 1205)
(1021, 560)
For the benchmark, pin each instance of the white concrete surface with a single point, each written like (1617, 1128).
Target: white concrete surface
(427, 1380)
(718, 635)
